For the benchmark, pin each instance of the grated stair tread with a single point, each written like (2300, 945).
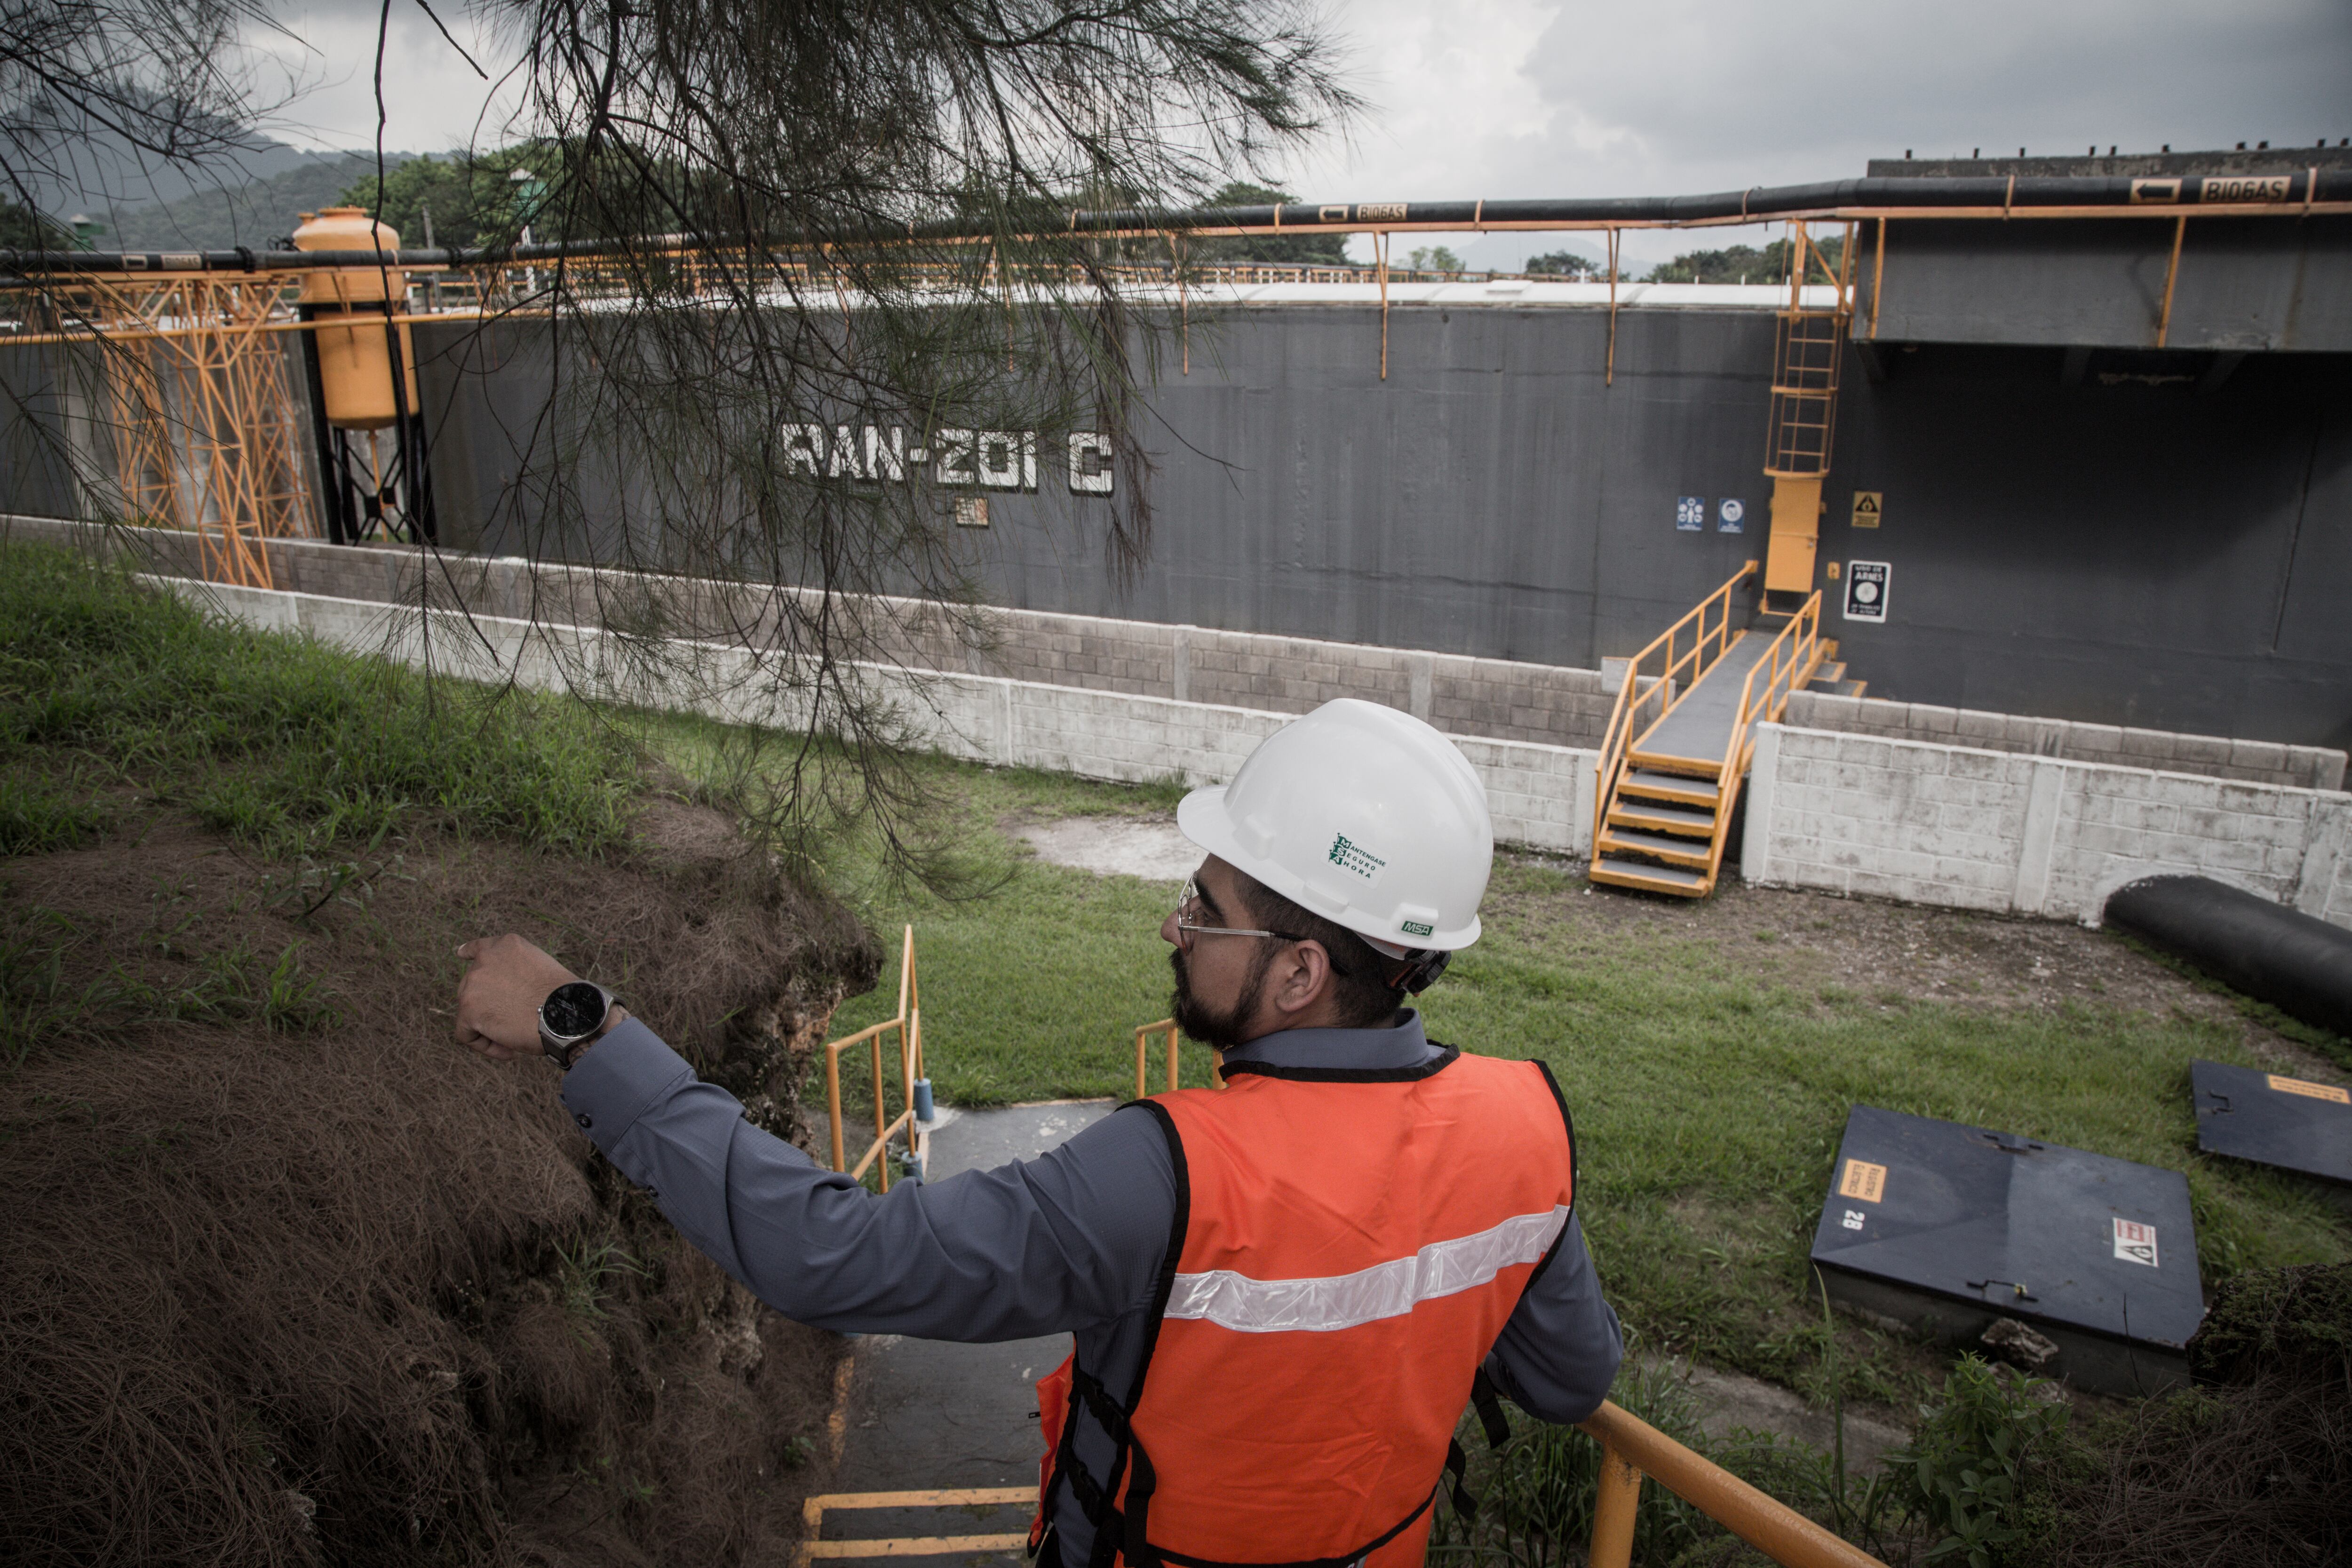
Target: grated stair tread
(1825, 677)
(1657, 879)
(1677, 852)
(1851, 688)
(1682, 787)
(1668, 818)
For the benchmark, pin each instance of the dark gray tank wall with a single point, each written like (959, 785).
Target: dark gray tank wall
(1493, 497)
(2243, 284)
(2088, 545)
(2130, 553)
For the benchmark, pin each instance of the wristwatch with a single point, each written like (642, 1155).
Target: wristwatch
(573, 1015)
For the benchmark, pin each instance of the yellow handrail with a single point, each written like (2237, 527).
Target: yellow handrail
(908, 1026)
(1631, 1447)
(1617, 739)
(1143, 1043)
(1790, 659)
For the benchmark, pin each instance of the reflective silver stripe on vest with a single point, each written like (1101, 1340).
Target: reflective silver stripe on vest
(1249, 1306)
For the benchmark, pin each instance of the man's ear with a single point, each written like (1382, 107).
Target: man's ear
(1302, 977)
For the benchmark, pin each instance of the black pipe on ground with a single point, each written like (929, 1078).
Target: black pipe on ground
(2298, 965)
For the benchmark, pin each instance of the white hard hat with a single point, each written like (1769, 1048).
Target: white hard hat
(1363, 814)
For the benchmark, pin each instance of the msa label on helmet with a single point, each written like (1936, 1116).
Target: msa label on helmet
(1417, 928)
(1355, 857)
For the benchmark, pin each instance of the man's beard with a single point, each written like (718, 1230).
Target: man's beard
(1199, 1021)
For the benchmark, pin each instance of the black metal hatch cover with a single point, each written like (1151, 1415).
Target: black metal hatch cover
(2290, 1122)
(2031, 1230)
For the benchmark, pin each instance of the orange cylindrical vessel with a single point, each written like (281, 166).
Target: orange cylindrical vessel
(355, 361)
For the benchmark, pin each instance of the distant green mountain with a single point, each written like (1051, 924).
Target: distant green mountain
(253, 214)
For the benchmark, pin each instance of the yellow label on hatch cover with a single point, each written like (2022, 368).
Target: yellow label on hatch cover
(1862, 1180)
(2305, 1087)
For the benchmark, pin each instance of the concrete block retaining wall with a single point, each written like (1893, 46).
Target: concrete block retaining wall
(2248, 762)
(1546, 704)
(2028, 816)
(1540, 795)
(2007, 831)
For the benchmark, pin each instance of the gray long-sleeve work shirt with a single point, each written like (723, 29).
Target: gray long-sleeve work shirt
(1071, 1242)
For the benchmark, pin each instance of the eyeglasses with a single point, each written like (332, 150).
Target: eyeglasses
(1188, 903)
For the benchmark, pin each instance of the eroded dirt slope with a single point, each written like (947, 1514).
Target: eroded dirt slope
(291, 1279)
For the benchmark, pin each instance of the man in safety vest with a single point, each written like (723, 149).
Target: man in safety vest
(1283, 1294)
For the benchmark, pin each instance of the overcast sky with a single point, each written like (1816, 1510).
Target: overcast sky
(1517, 97)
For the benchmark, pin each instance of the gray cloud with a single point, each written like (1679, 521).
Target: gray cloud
(1700, 93)
(1673, 96)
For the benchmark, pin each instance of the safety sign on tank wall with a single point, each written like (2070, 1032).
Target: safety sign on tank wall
(1690, 513)
(1865, 590)
(1730, 515)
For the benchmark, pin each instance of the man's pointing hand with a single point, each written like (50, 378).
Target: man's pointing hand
(497, 1001)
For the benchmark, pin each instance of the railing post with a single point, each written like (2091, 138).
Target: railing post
(1614, 1511)
(833, 1101)
(881, 1115)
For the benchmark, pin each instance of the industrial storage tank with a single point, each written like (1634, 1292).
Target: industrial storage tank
(355, 361)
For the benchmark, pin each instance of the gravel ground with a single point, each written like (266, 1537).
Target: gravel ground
(1910, 952)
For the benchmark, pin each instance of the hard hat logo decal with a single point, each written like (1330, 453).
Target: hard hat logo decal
(1418, 928)
(1355, 857)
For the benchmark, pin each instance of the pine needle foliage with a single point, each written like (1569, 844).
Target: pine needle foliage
(846, 261)
(835, 276)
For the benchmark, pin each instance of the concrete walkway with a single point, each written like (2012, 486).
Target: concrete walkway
(927, 1416)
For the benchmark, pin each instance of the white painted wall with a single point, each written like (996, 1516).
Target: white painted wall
(1855, 813)
(1540, 797)
(2037, 835)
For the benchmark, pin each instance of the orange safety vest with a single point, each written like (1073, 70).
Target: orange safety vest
(1348, 1245)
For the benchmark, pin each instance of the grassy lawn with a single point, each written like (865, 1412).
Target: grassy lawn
(283, 744)
(1709, 1071)
(1709, 1077)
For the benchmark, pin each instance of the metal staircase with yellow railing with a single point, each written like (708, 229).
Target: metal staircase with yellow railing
(1679, 738)
(1683, 729)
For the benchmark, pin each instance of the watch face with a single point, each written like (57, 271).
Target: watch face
(573, 1010)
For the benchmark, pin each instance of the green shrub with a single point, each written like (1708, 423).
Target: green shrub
(1963, 1473)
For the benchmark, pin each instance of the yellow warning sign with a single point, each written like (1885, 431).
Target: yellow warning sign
(1868, 505)
(1862, 1180)
(2305, 1086)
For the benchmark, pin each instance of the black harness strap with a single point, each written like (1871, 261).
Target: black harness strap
(1141, 1552)
(1456, 1461)
(1488, 1401)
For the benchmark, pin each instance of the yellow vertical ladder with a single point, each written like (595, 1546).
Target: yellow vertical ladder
(1808, 347)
